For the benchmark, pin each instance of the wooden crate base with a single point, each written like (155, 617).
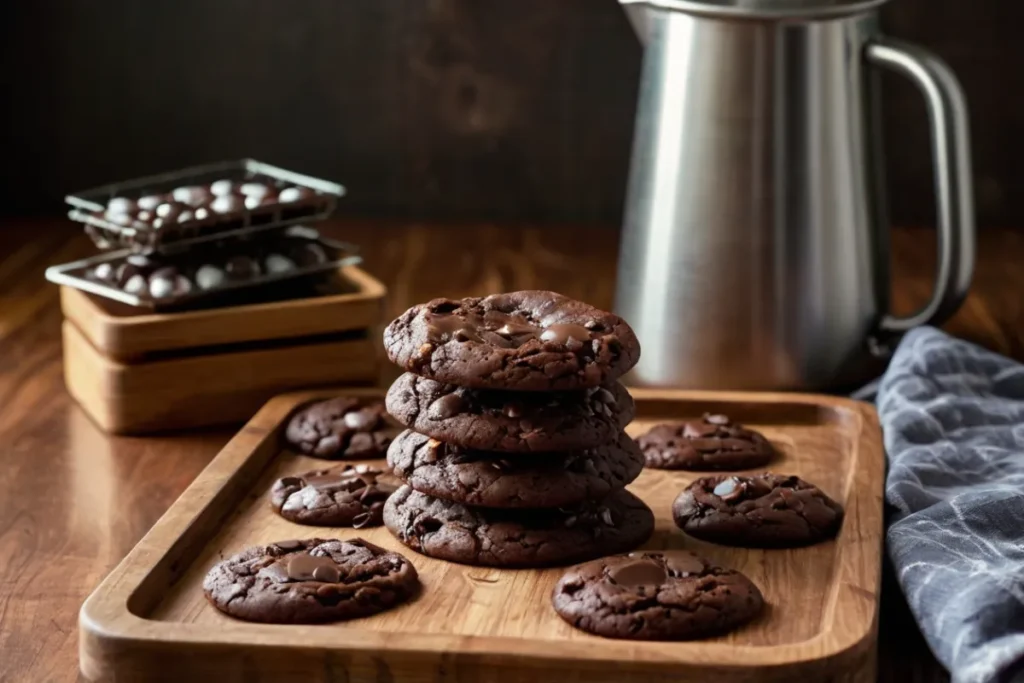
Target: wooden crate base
(139, 372)
(205, 390)
(149, 621)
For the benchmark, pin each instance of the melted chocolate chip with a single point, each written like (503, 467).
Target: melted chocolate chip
(639, 573)
(288, 545)
(562, 333)
(445, 407)
(327, 573)
(687, 564)
(306, 567)
(728, 489)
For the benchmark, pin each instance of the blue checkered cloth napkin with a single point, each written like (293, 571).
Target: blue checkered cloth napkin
(953, 418)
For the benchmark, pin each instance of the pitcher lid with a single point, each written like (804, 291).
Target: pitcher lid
(768, 9)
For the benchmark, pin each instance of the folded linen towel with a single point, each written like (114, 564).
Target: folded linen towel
(953, 419)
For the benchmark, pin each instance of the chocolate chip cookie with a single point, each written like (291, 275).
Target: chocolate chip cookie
(528, 341)
(490, 479)
(711, 443)
(670, 595)
(763, 511)
(341, 428)
(310, 581)
(340, 496)
(511, 421)
(517, 538)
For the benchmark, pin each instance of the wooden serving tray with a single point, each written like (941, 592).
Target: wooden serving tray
(125, 333)
(149, 620)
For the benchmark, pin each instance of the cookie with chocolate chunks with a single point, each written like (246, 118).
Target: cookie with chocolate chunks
(510, 421)
(490, 479)
(517, 538)
(671, 595)
(341, 428)
(762, 511)
(352, 495)
(712, 443)
(310, 581)
(529, 341)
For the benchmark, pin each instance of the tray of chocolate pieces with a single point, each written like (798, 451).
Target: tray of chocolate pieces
(191, 277)
(200, 204)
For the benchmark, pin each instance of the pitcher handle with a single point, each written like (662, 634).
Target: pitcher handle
(947, 111)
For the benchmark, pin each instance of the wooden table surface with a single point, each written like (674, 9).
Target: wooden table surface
(74, 501)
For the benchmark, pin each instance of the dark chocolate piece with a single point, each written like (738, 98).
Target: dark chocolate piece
(210, 277)
(276, 264)
(290, 195)
(242, 267)
(193, 195)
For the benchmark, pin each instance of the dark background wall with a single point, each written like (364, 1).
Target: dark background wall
(433, 109)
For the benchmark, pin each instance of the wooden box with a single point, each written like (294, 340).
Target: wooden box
(149, 620)
(136, 373)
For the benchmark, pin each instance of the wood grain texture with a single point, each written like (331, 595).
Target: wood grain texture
(121, 333)
(162, 395)
(76, 501)
(136, 374)
(149, 621)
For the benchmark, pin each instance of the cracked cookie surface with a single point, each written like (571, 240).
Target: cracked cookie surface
(489, 479)
(310, 581)
(341, 428)
(530, 341)
(671, 595)
(517, 538)
(352, 495)
(510, 421)
(711, 443)
(761, 511)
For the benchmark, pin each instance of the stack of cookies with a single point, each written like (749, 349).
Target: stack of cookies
(515, 454)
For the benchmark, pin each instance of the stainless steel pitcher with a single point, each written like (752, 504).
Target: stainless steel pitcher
(755, 242)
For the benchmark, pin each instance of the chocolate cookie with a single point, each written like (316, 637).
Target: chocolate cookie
(310, 581)
(340, 496)
(517, 538)
(711, 443)
(763, 511)
(489, 479)
(670, 595)
(511, 421)
(529, 341)
(340, 428)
